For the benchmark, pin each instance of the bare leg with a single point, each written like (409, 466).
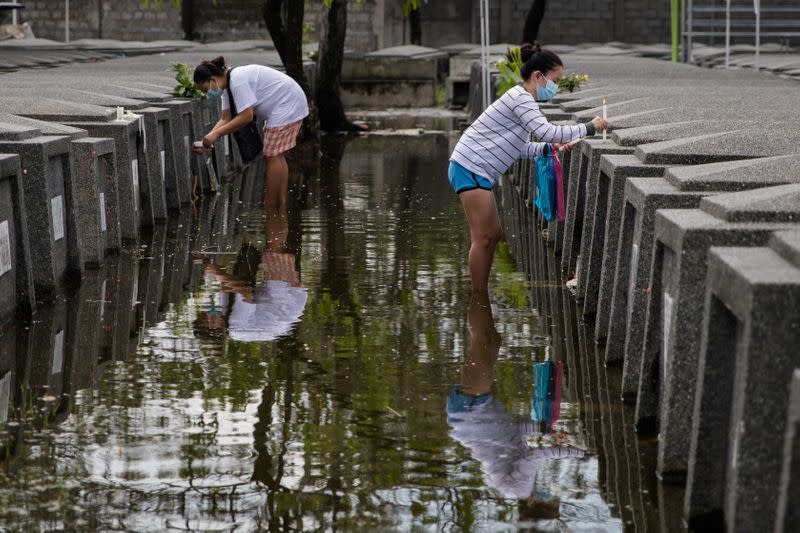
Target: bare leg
(477, 374)
(485, 232)
(276, 183)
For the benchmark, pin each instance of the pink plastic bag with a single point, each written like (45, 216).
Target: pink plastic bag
(559, 170)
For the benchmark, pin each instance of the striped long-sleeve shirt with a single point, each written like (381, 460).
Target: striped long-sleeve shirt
(502, 134)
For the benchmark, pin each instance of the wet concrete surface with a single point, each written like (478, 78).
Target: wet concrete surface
(326, 368)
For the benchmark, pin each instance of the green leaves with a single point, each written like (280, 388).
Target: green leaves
(329, 3)
(510, 74)
(570, 83)
(186, 87)
(177, 4)
(159, 4)
(409, 6)
(509, 71)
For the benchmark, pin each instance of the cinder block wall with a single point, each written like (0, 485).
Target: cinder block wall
(243, 19)
(121, 19)
(229, 20)
(372, 24)
(567, 21)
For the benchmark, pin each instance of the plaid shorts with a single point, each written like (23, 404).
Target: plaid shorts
(278, 266)
(281, 139)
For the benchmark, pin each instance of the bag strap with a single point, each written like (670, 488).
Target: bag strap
(234, 112)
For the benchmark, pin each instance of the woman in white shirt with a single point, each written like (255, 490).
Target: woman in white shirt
(500, 136)
(258, 92)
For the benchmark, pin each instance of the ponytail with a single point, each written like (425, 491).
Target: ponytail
(534, 58)
(205, 70)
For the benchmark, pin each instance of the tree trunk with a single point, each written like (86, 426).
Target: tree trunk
(288, 41)
(187, 19)
(532, 22)
(99, 19)
(329, 70)
(415, 22)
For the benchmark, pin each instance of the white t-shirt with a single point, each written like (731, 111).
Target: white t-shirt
(275, 97)
(498, 440)
(276, 309)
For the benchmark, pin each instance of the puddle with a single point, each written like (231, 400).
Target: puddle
(323, 368)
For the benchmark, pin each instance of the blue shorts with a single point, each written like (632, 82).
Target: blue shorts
(458, 402)
(464, 180)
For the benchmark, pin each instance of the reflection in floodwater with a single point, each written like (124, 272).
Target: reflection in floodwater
(548, 378)
(256, 302)
(243, 372)
(496, 438)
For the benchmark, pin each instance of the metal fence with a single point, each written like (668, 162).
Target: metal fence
(744, 21)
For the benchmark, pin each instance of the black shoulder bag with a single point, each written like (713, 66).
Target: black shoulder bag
(248, 138)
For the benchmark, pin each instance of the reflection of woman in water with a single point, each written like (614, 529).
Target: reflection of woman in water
(494, 437)
(253, 311)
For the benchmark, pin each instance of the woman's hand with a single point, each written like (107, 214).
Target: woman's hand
(566, 147)
(600, 124)
(198, 148)
(210, 139)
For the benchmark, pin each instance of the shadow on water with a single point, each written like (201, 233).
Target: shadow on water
(318, 366)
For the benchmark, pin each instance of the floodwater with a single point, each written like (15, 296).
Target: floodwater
(322, 368)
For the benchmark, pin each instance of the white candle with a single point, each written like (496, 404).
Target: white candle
(120, 113)
(605, 116)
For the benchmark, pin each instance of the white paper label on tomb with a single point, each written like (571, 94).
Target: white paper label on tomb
(163, 164)
(102, 300)
(225, 216)
(102, 201)
(143, 132)
(634, 268)
(57, 209)
(135, 179)
(212, 174)
(5, 248)
(188, 144)
(667, 311)
(226, 141)
(58, 353)
(135, 290)
(5, 396)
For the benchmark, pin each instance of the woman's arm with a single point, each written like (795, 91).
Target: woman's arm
(534, 149)
(536, 123)
(241, 120)
(224, 118)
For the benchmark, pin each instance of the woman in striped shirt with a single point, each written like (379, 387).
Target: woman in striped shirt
(500, 136)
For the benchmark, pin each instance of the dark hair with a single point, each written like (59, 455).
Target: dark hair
(534, 58)
(205, 70)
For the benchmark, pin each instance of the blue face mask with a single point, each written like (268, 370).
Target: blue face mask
(547, 92)
(215, 93)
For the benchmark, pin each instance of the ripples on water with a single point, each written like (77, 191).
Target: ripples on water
(140, 404)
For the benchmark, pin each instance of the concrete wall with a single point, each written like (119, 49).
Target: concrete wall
(244, 20)
(229, 20)
(121, 19)
(372, 24)
(567, 21)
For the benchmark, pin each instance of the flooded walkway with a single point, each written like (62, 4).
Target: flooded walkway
(325, 368)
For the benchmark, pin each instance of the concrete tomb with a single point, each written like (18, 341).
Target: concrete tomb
(788, 517)
(16, 277)
(584, 170)
(600, 231)
(97, 203)
(48, 189)
(748, 353)
(681, 188)
(672, 333)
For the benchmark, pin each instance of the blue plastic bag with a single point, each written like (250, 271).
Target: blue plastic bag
(546, 193)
